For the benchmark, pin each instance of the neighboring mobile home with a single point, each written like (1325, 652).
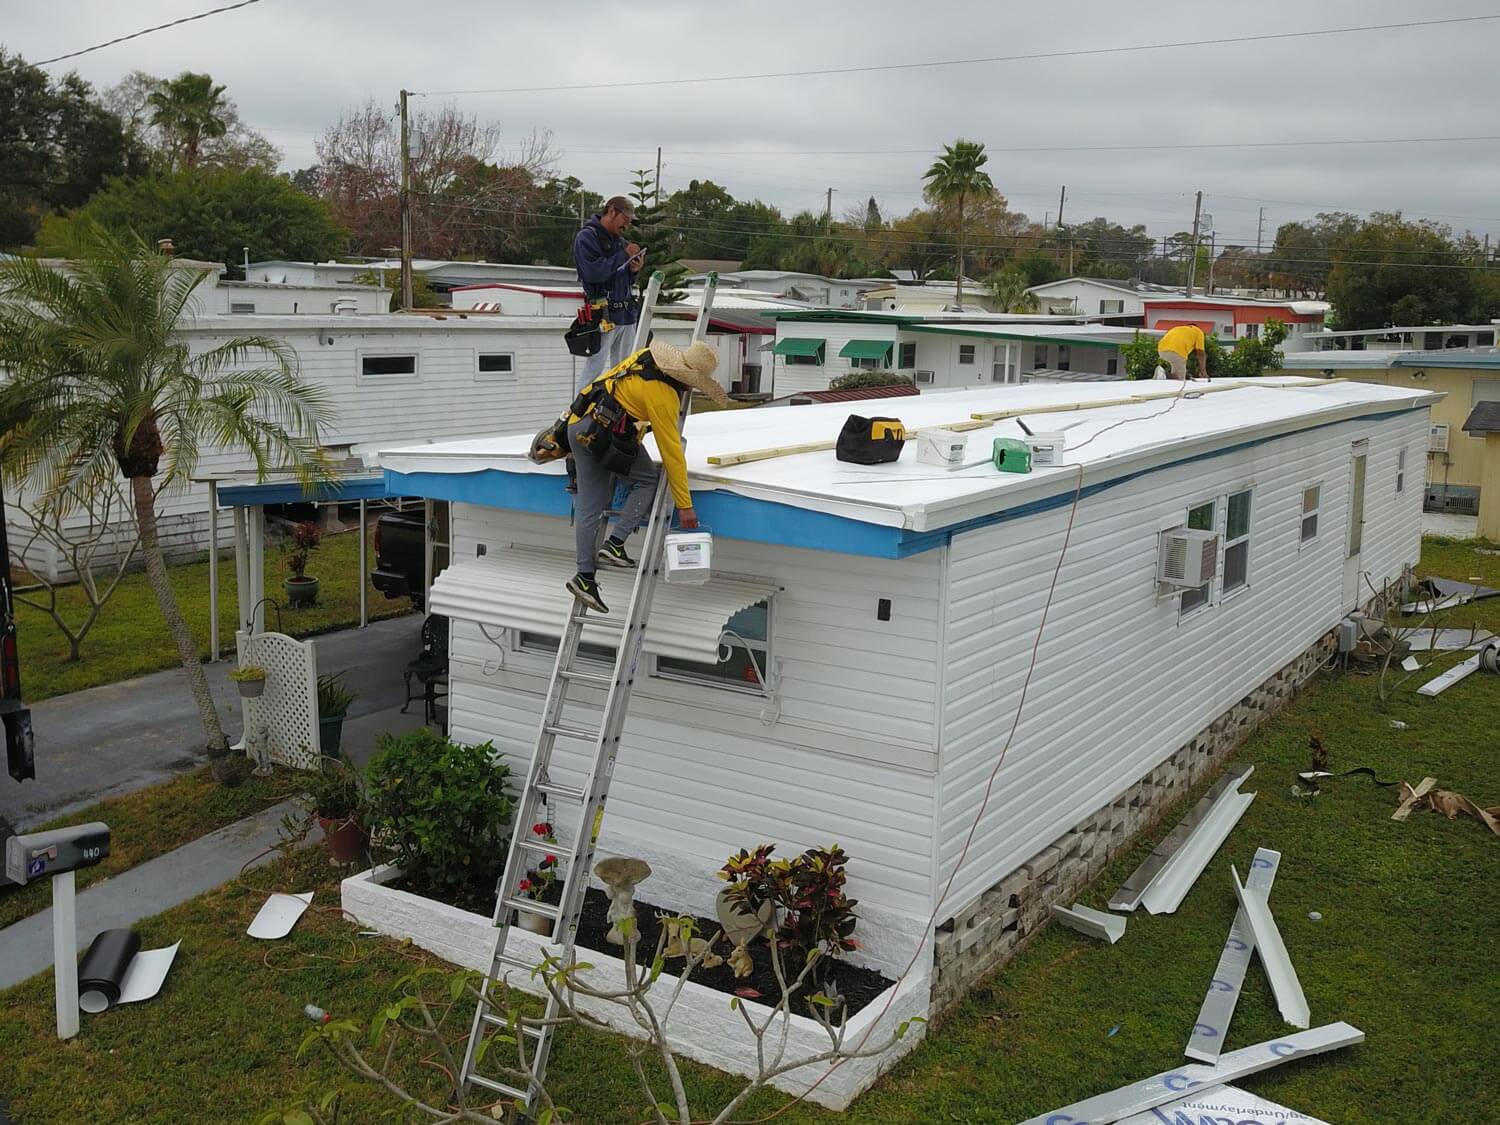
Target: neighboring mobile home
(855, 670)
(1454, 458)
(1239, 318)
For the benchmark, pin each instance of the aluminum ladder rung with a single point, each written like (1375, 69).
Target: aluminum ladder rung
(558, 789)
(629, 626)
(499, 1087)
(563, 730)
(533, 906)
(576, 675)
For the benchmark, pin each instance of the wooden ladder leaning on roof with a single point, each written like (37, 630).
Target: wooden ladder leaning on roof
(586, 802)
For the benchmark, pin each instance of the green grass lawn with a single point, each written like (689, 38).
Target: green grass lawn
(151, 822)
(1404, 951)
(129, 638)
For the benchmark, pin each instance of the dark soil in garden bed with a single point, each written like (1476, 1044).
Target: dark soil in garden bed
(858, 986)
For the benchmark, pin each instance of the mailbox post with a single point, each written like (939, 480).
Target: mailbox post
(57, 855)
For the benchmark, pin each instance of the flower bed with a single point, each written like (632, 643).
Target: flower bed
(702, 1027)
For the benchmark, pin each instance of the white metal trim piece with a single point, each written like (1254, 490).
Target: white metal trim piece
(1223, 1105)
(1172, 1085)
(1176, 878)
(1273, 955)
(1207, 1038)
(1094, 923)
(1450, 677)
(1128, 897)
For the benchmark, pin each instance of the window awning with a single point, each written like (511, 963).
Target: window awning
(794, 345)
(867, 349)
(519, 589)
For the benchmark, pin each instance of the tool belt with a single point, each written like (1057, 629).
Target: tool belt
(611, 435)
(870, 441)
(585, 336)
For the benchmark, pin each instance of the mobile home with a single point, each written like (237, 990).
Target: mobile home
(981, 684)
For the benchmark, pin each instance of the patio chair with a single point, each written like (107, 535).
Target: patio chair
(430, 668)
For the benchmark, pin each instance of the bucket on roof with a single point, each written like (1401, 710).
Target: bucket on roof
(689, 557)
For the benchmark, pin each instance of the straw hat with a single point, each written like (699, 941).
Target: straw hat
(692, 368)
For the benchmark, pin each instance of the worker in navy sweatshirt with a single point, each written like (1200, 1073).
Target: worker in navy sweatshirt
(607, 265)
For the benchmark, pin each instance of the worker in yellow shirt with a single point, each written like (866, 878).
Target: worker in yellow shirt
(1175, 347)
(604, 432)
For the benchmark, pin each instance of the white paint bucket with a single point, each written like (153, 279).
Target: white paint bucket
(689, 557)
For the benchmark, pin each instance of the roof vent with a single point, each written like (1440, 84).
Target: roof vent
(345, 306)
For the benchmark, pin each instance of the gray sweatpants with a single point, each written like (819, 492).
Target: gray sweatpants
(616, 346)
(596, 488)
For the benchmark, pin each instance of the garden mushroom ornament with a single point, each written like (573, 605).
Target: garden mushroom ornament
(620, 875)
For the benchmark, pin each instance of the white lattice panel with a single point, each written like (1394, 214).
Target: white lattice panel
(289, 705)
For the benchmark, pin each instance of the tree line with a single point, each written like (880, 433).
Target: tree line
(172, 158)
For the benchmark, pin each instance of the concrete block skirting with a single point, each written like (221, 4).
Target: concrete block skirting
(989, 932)
(702, 1025)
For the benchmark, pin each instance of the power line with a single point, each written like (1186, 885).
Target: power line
(1028, 57)
(147, 31)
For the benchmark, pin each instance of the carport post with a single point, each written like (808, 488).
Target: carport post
(256, 514)
(241, 566)
(213, 570)
(364, 564)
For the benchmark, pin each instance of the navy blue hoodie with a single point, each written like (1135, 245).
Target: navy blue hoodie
(600, 260)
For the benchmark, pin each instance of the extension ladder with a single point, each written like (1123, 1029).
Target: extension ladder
(542, 793)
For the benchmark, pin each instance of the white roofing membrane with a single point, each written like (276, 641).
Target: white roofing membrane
(1105, 441)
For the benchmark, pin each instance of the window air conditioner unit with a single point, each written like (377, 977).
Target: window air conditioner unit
(1437, 438)
(924, 377)
(1189, 558)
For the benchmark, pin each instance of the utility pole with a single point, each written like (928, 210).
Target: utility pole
(656, 195)
(406, 297)
(1260, 230)
(1212, 255)
(1193, 251)
(1061, 199)
(828, 214)
(1260, 267)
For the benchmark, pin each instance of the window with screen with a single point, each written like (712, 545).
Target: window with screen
(966, 353)
(1312, 499)
(1111, 308)
(907, 356)
(744, 654)
(372, 366)
(496, 363)
(1200, 518)
(1237, 541)
(1401, 470)
(541, 643)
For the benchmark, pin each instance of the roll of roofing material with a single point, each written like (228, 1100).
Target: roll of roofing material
(103, 969)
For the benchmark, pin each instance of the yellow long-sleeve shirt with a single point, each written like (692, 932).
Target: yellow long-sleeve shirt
(657, 402)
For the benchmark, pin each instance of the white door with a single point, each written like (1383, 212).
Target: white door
(1354, 592)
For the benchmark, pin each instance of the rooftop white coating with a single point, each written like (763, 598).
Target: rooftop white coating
(1110, 439)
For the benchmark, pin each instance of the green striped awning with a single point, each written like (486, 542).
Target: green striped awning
(793, 345)
(867, 349)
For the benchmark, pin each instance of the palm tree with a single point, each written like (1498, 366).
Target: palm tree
(1009, 291)
(955, 177)
(101, 383)
(190, 109)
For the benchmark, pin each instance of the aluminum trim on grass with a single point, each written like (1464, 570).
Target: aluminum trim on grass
(1128, 897)
(1172, 1085)
(1094, 923)
(1273, 955)
(1171, 885)
(1212, 1026)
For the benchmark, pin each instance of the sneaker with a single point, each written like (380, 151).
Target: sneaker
(586, 590)
(613, 554)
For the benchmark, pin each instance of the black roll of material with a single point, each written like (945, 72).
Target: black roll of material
(102, 969)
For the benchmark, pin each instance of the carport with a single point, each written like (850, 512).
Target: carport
(245, 496)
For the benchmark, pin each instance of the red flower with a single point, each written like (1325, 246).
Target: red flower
(525, 885)
(544, 828)
(549, 861)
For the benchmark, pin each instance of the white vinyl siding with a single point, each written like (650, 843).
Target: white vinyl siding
(1164, 679)
(845, 751)
(794, 378)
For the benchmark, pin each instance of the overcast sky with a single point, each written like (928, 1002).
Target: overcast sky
(292, 67)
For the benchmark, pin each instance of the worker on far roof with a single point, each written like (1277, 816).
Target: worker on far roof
(604, 430)
(607, 265)
(1175, 347)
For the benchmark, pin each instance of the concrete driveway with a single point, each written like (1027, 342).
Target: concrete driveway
(119, 737)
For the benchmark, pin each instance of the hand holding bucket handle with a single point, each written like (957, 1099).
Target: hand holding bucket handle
(687, 519)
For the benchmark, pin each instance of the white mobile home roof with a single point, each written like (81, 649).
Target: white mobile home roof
(901, 508)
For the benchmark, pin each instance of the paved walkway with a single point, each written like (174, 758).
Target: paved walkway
(1453, 525)
(156, 885)
(120, 737)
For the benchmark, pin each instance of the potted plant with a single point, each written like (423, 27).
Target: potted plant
(537, 885)
(333, 708)
(251, 679)
(337, 801)
(301, 587)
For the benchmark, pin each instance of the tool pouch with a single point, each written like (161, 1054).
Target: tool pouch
(870, 441)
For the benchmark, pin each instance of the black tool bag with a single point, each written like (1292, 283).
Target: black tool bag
(611, 436)
(870, 441)
(584, 336)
